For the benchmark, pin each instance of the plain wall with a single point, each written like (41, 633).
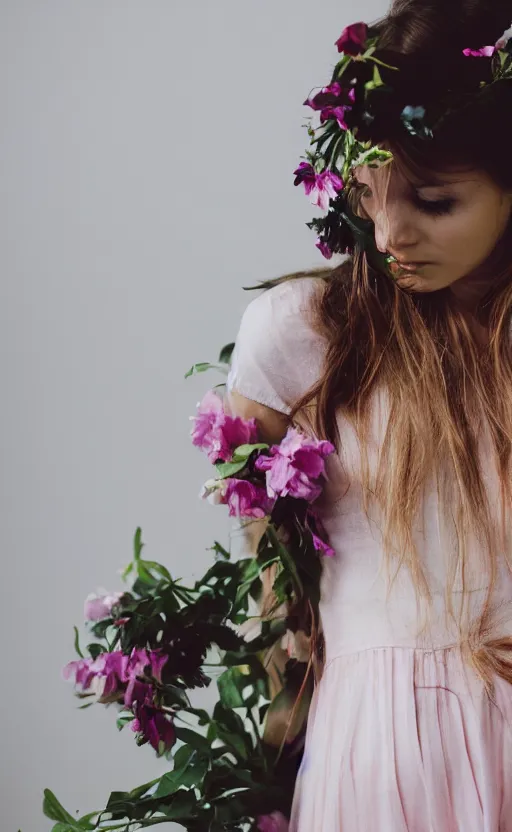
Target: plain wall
(146, 153)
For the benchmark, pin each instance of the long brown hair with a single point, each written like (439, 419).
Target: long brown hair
(442, 387)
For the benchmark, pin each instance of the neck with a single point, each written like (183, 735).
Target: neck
(469, 291)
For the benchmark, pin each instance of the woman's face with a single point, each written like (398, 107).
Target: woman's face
(442, 229)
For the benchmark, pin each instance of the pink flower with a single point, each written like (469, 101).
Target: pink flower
(295, 466)
(81, 671)
(247, 500)
(140, 692)
(327, 97)
(324, 248)
(332, 101)
(218, 434)
(353, 39)
(276, 822)
(320, 187)
(110, 668)
(110, 672)
(100, 606)
(323, 547)
(337, 113)
(141, 662)
(484, 52)
(318, 533)
(153, 726)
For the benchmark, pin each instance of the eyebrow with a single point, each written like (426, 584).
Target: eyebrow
(434, 182)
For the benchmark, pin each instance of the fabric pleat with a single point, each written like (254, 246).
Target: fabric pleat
(405, 740)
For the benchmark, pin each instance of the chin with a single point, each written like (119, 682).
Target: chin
(415, 283)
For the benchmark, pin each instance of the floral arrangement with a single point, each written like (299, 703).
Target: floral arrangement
(155, 642)
(361, 96)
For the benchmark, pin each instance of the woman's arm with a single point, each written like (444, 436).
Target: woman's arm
(272, 424)
(272, 428)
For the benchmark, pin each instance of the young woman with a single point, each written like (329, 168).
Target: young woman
(405, 363)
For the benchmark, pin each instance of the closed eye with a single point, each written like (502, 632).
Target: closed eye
(435, 207)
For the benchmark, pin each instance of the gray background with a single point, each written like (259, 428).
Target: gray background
(146, 154)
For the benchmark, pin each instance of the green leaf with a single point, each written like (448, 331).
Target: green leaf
(140, 791)
(77, 643)
(243, 452)
(239, 461)
(286, 558)
(138, 545)
(204, 366)
(127, 571)
(55, 811)
(226, 353)
(235, 742)
(95, 650)
(159, 569)
(198, 368)
(220, 552)
(182, 807)
(124, 719)
(65, 827)
(228, 469)
(228, 688)
(203, 716)
(190, 774)
(144, 574)
(196, 740)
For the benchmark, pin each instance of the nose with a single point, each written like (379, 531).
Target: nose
(394, 226)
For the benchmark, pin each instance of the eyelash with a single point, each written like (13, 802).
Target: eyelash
(436, 208)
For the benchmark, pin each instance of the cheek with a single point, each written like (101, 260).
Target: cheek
(467, 237)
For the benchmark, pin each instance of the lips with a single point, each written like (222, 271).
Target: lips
(411, 267)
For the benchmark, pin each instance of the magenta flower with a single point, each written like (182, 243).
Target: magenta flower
(320, 187)
(138, 692)
(81, 671)
(352, 40)
(484, 52)
(104, 675)
(153, 726)
(295, 466)
(337, 113)
(143, 662)
(333, 102)
(110, 672)
(112, 666)
(218, 434)
(327, 97)
(100, 606)
(324, 248)
(276, 822)
(323, 547)
(247, 500)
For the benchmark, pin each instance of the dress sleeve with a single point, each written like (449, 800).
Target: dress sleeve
(277, 355)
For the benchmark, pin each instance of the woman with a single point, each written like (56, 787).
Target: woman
(401, 356)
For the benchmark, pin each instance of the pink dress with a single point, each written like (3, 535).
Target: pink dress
(402, 736)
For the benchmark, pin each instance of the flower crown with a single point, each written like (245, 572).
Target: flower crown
(349, 109)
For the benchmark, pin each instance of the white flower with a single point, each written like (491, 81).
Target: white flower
(502, 42)
(214, 491)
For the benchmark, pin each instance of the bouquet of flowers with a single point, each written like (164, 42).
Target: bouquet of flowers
(158, 640)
